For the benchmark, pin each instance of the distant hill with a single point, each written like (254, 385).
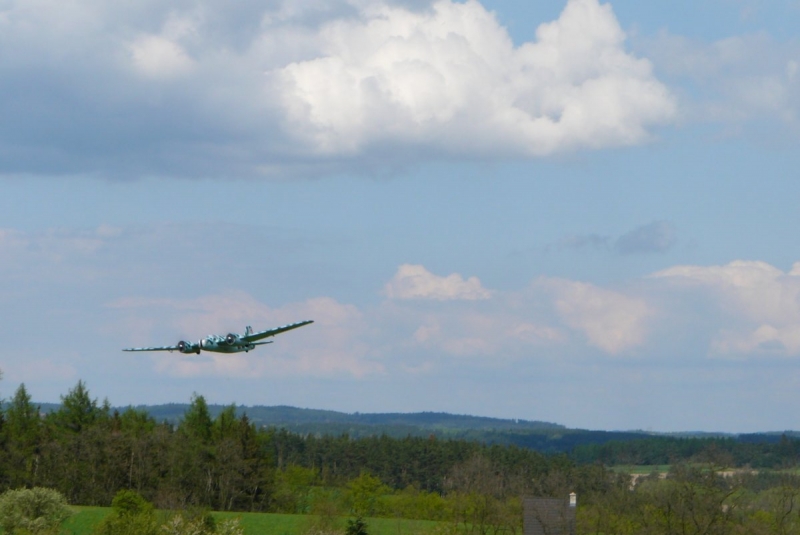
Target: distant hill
(546, 437)
(282, 415)
(541, 436)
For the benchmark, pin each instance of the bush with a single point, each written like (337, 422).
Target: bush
(130, 515)
(38, 511)
(199, 523)
(131, 503)
(356, 526)
(177, 525)
(230, 527)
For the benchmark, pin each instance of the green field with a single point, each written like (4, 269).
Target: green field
(86, 518)
(641, 469)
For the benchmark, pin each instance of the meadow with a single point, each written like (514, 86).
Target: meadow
(85, 519)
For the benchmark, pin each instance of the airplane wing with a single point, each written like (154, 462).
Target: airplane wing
(171, 348)
(272, 332)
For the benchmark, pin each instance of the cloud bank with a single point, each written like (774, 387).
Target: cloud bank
(253, 89)
(760, 304)
(89, 283)
(74, 298)
(753, 310)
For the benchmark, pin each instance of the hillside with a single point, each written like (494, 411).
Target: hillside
(285, 416)
(545, 437)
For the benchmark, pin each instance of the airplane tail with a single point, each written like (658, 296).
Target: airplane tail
(248, 331)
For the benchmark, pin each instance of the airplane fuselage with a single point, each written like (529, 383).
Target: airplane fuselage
(219, 344)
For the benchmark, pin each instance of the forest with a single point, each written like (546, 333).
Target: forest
(89, 452)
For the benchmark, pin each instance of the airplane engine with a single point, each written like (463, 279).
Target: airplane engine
(232, 339)
(186, 347)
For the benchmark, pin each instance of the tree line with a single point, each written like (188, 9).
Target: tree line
(89, 453)
(753, 451)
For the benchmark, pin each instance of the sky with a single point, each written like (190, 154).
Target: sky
(576, 211)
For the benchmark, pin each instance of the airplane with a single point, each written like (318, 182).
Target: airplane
(231, 343)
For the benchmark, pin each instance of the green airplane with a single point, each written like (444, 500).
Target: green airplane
(230, 343)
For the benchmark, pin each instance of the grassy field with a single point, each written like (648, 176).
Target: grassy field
(86, 518)
(642, 470)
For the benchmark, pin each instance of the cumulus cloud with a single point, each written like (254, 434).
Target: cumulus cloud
(551, 313)
(451, 77)
(611, 321)
(252, 89)
(415, 282)
(760, 304)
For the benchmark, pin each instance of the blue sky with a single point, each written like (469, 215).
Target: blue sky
(578, 212)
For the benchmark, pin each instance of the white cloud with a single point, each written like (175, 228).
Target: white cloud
(513, 323)
(612, 321)
(158, 57)
(415, 282)
(450, 77)
(265, 89)
(761, 302)
(754, 289)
